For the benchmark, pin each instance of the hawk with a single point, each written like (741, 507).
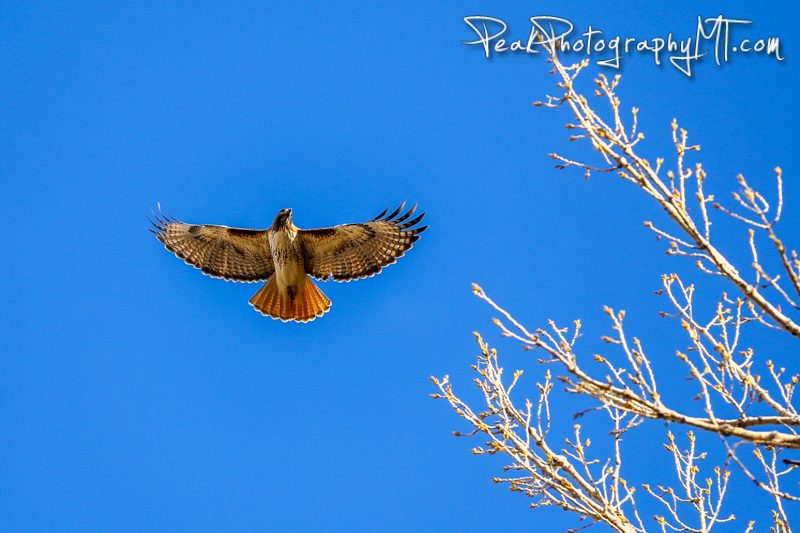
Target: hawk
(285, 256)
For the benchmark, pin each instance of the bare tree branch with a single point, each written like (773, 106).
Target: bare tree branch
(736, 404)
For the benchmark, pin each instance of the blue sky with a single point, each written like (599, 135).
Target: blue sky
(137, 394)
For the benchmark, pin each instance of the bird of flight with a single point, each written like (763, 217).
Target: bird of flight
(286, 256)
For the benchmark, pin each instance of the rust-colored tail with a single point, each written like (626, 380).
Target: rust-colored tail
(307, 305)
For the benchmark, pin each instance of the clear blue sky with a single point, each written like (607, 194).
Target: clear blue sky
(137, 394)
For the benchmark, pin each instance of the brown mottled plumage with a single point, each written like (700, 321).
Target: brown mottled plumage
(286, 256)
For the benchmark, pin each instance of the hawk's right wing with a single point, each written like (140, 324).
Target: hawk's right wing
(219, 251)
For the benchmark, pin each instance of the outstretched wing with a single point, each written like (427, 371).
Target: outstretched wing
(219, 251)
(353, 251)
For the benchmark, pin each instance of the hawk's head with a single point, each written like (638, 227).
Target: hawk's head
(283, 219)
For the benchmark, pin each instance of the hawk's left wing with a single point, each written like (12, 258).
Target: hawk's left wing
(353, 251)
(221, 252)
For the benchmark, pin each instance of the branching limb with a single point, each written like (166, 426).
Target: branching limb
(733, 401)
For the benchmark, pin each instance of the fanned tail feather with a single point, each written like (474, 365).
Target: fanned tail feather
(307, 306)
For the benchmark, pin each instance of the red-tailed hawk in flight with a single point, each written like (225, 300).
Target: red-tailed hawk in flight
(286, 256)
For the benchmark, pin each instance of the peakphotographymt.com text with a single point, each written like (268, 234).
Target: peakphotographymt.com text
(711, 35)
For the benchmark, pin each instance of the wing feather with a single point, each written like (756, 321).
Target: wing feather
(354, 251)
(221, 252)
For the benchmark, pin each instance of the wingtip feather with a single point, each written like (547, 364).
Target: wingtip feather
(381, 215)
(395, 213)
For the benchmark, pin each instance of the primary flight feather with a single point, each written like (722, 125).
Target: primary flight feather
(285, 256)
